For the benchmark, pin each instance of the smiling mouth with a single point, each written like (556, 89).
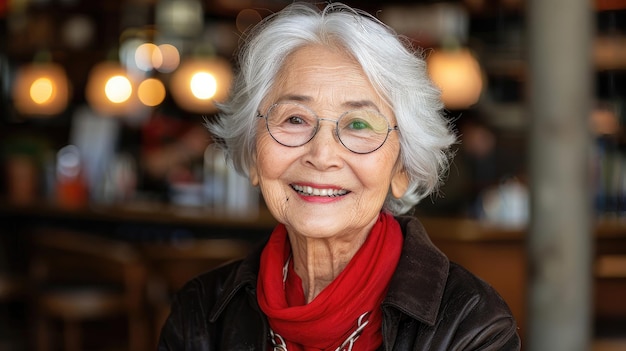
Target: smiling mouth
(310, 191)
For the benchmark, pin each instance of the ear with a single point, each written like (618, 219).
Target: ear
(253, 174)
(399, 183)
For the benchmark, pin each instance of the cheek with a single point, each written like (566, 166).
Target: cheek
(270, 166)
(271, 160)
(377, 173)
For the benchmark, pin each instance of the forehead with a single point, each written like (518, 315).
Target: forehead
(327, 75)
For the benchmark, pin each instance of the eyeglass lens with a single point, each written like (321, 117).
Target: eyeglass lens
(361, 131)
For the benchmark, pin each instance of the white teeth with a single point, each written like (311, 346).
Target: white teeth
(307, 190)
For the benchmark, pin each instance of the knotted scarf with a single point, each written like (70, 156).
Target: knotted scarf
(327, 321)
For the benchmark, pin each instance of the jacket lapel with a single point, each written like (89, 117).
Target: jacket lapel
(418, 283)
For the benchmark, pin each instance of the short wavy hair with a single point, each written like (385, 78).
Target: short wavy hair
(394, 67)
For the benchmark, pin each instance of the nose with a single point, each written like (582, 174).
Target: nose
(324, 149)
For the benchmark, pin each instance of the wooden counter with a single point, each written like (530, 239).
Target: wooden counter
(498, 255)
(140, 220)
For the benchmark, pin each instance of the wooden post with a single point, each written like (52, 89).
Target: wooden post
(560, 243)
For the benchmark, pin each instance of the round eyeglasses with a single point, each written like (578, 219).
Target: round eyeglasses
(361, 131)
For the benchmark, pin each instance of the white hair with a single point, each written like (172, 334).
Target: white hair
(395, 69)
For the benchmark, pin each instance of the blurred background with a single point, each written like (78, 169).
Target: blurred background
(112, 195)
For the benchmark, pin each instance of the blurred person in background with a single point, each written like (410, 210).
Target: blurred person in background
(333, 116)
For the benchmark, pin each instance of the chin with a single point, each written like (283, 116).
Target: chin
(321, 229)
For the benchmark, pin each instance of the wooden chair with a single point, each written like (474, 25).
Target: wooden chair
(10, 287)
(76, 278)
(171, 265)
(13, 322)
(610, 287)
(12, 291)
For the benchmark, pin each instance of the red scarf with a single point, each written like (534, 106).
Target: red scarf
(327, 321)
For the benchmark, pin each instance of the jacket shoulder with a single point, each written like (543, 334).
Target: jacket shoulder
(208, 286)
(477, 313)
(471, 316)
(188, 325)
(439, 305)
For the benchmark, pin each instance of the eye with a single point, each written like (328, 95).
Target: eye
(358, 124)
(295, 120)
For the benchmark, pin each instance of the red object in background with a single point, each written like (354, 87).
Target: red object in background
(162, 130)
(607, 5)
(72, 193)
(72, 190)
(4, 8)
(171, 147)
(21, 176)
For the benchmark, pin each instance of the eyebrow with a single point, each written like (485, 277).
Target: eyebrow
(352, 104)
(296, 98)
(360, 104)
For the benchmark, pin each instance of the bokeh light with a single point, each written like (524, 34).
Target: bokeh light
(247, 18)
(118, 89)
(144, 55)
(457, 73)
(198, 83)
(203, 85)
(166, 59)
(41, 89)
(151, 92)
(110, 91)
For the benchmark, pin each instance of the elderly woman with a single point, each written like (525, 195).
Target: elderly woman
(333, 117)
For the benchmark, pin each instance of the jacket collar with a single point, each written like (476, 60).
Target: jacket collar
(245, 276)
(418, 283)
(416, 288)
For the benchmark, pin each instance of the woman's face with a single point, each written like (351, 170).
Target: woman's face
(295, 181)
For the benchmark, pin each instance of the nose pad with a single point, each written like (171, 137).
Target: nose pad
(333, 124)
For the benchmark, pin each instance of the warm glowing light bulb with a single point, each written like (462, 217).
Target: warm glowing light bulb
(110, 91)
(201, 82)
(118, 89)
(457, 73)
(151, 92)
(203, 85)
(42, 90)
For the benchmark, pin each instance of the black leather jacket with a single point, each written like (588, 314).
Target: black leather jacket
(432, 304)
